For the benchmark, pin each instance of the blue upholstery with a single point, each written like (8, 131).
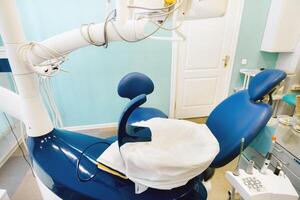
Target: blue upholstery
(264, 82)
(241, 116)
(235, 118)
(290, 98)
(4, 65)
(134, 84)
(55, 157)
(130, 133)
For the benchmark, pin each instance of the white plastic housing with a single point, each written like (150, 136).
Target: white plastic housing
(192, 9)
(283, 26)
(199, 9)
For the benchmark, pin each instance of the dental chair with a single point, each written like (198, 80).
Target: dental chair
(65, 162)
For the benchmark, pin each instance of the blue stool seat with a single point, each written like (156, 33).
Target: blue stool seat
(290, 98)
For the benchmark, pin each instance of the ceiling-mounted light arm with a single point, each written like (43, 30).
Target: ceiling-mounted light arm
(122, 11)
(130, 29)
(71, 40)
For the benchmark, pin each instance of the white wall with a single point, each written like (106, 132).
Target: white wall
(290, 62)
(8, 143)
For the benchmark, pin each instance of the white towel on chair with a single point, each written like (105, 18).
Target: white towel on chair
(179, 151)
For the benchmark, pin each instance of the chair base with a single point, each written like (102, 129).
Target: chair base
(55, 157)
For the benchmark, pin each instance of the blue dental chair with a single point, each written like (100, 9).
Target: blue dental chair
(65, 161)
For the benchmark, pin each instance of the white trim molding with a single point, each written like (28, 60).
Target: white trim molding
(8, 143)
(98, 130)
(2, 53)
(235, 41)
(102, 127)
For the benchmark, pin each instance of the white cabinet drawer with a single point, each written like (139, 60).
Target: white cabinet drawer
(291, 166)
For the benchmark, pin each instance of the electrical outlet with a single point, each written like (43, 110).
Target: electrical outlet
(244, 61)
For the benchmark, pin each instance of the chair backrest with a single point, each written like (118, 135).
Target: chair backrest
(130, 133)
(135, 84)
(242, 115)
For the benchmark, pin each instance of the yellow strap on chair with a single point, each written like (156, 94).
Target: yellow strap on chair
(111, 171)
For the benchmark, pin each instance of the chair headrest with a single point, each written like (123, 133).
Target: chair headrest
(135, 84)
(261, 84)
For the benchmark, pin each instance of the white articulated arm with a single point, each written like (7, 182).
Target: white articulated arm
(71, 40)
(29, 104)
(10, 103)
(131, 30)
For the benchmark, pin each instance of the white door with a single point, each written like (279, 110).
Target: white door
(204, 62)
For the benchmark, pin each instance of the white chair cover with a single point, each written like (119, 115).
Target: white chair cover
(179, 151)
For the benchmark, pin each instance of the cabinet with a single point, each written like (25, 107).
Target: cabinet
(286, 150)
(283, 26)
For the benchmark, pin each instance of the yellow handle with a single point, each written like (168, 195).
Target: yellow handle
(169, 2)
(226, 60)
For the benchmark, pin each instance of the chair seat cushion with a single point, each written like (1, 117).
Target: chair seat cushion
(235, 118)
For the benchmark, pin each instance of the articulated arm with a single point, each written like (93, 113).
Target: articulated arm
(72, 40)
(129, 28)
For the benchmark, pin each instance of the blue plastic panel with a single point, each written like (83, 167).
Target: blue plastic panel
(55, 157)
(4, 65)
(135, 84)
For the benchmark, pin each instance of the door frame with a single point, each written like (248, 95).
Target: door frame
(2, 52)
(232, 54)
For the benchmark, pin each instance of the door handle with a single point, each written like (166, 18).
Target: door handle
(226, 60)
